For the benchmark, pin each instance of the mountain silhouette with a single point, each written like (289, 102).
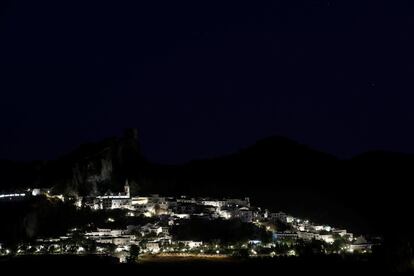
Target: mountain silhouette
(276, 173)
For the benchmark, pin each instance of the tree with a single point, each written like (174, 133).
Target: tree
(111, 248)
(133, 253)
(90, 246)
(242, 253)
(313, 247)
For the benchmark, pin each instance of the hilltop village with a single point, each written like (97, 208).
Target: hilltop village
(162, 226)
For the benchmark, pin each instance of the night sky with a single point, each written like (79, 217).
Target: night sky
(203, 78)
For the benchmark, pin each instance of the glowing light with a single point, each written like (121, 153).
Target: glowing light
(12, 195)
(60, 197)
(292, 253)
(148, 214)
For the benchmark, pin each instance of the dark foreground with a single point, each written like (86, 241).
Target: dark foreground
(52, 265)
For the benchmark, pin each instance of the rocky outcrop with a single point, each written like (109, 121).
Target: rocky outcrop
(91, 169)
(93, 172)
(106, 166)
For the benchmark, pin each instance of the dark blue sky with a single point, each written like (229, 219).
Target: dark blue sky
(203, 79)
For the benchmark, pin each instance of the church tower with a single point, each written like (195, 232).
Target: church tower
(126, 188)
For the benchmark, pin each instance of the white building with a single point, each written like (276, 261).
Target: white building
(124, 240)
(215, 203)
(116, 201)
(151, 229)
(328, 238)
(113, 236)
(191, 244)
(139, 200)
(184, 199)
(322, 228)
(226, 214)
(283, 235)
(153, 247)
(308, 236)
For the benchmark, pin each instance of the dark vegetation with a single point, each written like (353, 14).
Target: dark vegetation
(221, 231)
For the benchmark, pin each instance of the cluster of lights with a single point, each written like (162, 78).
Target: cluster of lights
(212, 248)
(12, 195)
